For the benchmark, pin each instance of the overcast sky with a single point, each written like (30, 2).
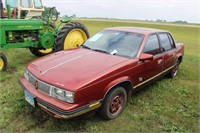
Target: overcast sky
(170, 10)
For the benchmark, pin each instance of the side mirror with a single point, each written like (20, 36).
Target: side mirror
(145, 57)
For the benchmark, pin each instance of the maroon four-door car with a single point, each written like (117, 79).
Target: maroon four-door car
(101, 75)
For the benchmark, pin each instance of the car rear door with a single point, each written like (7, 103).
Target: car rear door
(168, 49)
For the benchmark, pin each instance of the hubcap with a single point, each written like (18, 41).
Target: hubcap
(1, 63)
(74, 39)
(175, 71)
(116, 104)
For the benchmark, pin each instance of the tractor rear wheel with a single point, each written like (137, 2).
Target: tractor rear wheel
(3, 62)
(72, 35)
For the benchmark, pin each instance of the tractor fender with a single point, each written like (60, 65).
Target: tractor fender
(65, 20)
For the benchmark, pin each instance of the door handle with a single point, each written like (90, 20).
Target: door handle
(159, 61)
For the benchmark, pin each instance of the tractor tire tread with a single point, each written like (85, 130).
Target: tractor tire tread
(5, 61)
(59, 43)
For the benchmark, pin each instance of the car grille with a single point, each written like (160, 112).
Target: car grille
(44, 87)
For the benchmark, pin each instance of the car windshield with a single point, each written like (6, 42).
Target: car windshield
(125, 44)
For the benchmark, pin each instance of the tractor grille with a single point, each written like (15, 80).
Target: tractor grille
(44, 87)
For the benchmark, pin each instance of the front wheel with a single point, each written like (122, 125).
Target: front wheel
(72, 35)
(40, 52)
(3, 62)
(114, 103)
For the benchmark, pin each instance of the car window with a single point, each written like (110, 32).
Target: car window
(152, 45)
(165, 42)
(171, 41)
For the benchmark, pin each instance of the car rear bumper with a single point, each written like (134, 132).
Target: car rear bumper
(56, 111)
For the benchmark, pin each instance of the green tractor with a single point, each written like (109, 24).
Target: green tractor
(24, 25)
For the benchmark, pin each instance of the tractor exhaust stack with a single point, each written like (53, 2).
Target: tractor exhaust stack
(1, 9)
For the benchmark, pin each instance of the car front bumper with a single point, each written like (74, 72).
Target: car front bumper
(63, 109)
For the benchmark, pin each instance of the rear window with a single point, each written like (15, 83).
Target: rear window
(171, 41)
(165, 41)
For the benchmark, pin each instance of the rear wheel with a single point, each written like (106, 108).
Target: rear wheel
(3, 62)
(173, 73)
(114, 103)
(72, 35)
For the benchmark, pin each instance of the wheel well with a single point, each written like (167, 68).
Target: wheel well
(127, 85)
(180, 59)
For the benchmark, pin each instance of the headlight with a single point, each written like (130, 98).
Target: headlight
(67, 96)
(26, 74)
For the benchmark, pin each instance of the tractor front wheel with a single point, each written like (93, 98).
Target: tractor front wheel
(40, 52)
(3, 62)
(72, 35)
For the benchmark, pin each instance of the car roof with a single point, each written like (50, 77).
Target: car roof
(139, 30)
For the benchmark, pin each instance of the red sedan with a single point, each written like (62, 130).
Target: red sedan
(101, 75)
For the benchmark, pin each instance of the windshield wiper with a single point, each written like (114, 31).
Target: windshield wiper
(84, 46)
(101, 50)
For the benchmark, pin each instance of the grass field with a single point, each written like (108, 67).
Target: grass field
(166, 105)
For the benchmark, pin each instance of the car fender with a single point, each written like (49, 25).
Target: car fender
(115, 83)
(178, 56)
(179, 51)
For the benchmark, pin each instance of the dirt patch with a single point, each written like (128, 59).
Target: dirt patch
(12, 70)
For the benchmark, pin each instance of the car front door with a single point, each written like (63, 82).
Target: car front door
(150, 69)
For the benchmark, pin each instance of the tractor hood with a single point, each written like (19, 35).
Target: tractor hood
(73, 69)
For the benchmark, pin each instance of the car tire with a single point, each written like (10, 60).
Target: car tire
(173, 73)
(114, 103)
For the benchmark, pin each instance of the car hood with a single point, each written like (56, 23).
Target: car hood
(72, 69)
